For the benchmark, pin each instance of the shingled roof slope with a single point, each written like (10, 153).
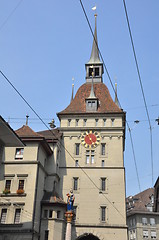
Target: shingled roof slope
(26, 131)
(106, 104)
(51, 134)
(52, 197)
(140, 201)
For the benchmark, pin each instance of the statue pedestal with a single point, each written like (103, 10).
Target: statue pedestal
(69, 216)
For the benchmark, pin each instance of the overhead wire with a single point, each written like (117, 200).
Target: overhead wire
(7, 79)
(11, 13)
(112, 88)
(140, 81)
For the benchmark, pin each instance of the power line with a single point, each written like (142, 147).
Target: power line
(140, 81)
(108, 78)
(12, 12)
(60, 142)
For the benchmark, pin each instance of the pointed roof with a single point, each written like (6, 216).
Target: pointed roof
(78, 104)
(92, 94)
(94, 59)
(26, 131)
(28, 135)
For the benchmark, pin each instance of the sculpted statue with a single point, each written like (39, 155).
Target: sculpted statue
(70, 200)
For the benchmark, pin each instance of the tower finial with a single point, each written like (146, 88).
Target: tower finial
(116, 97)
(72, 88)
(95, 52)
(27, 116)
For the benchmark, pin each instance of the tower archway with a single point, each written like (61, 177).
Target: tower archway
(87, 236)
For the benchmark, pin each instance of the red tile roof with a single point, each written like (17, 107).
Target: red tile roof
(27, 134)
(139, 202)
(26, 131)
(52, 134)
(106, 104)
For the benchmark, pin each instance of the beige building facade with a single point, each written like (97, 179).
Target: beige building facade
(84, 154)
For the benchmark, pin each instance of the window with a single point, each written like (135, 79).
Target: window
(45, 213)
(152, 221)
(103, 211)
(77, 120)
(58, 214)
(75, 183)
(77, 148)
(90, 71)
(50, 213)
(144, 221)
(8, 184)
(19, 153)
(104, 122)
(131, 236)
(145, 234)
(112, 121)
(84, 122)
(103, 149)
(153, 234)
(87, 158)
(96, 122)
(134, 234)
(96, 71)
(21, 184)
(17, 215)
(103, 184)
(76, 163)
(103, 163)
(3, 215)
(90, 156)
(46, 235)
(69, 122)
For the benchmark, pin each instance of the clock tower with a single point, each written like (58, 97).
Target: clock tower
(91, 163)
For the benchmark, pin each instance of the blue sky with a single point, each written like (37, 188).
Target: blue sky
(43, 44)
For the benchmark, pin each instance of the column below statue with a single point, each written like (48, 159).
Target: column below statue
(69, 214)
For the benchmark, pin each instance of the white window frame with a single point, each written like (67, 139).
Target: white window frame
(15, 216)
(19, 156)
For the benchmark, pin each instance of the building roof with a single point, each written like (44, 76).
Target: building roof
(28, 135)
(51, 135)
(140, 202)
(26, 131)
(106, 104)
(8, 137)
(52, 198)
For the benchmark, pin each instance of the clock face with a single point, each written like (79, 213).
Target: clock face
(90, 139)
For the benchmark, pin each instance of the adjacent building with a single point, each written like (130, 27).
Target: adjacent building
(142, 220)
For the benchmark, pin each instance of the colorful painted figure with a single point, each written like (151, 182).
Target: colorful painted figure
(70, 200)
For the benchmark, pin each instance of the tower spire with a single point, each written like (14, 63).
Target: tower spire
(94, 59)
(72, 89)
